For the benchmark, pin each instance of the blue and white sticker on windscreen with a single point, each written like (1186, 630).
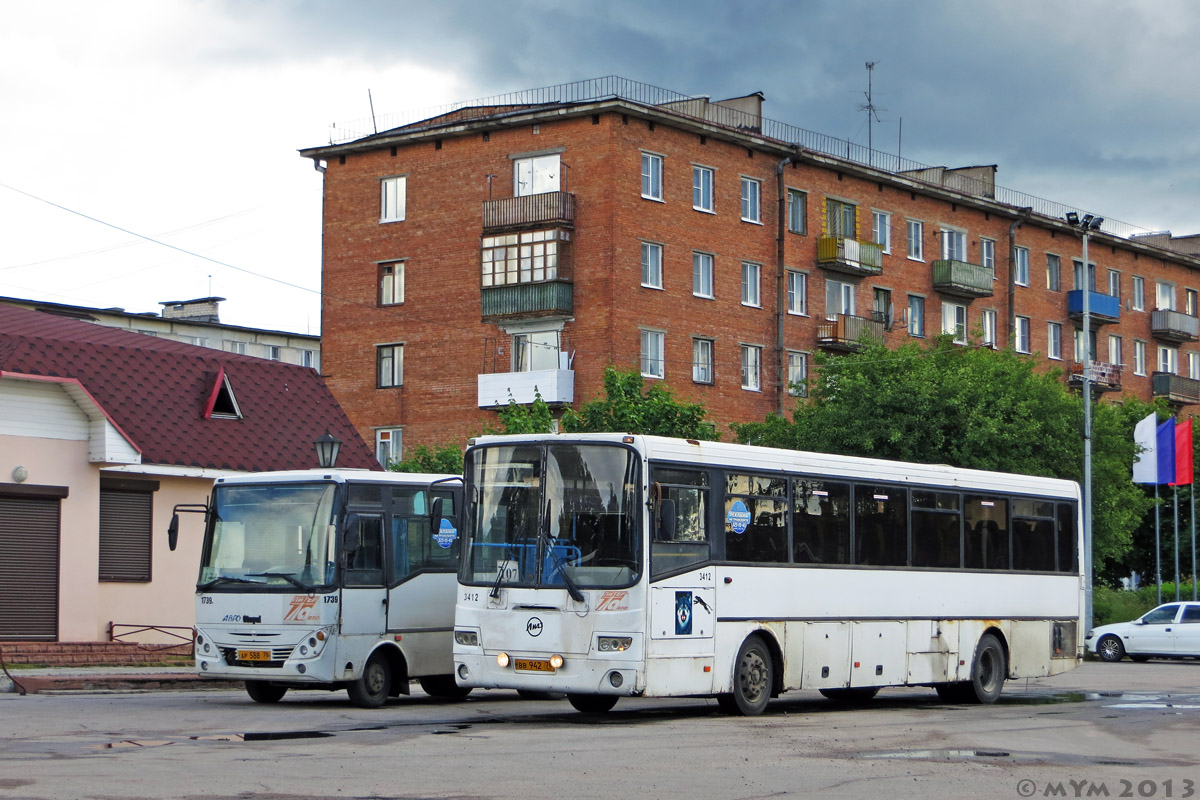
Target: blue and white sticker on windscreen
(738, 517)
(683, 613)
(446, 534)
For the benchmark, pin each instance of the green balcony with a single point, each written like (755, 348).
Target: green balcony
(554, 298)
(849, 256)
(1175, 389)
(962, 279)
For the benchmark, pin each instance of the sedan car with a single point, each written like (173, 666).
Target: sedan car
(1169, 631)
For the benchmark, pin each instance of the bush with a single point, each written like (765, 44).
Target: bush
(1117, 605)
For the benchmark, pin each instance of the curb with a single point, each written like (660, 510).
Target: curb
(41, 684)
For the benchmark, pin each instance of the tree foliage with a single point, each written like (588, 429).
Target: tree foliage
(968, 407)
(627, 407)
(442, 458)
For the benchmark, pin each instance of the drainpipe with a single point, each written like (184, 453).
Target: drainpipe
(1023, 215)
(780, 288)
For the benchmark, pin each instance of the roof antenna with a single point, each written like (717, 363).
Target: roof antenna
(872, 116)
(372, 103)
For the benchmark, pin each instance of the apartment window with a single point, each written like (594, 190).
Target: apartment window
(1053, 272)
(840, 219)
(797, 211)
(1023, 344)
(797, 292)
(797, 366)
(751, 200)
(529, 257)
(1139, 293)
(1168, 359)
(702, 188)
(751, 367)
(1054, 340)
(1189, 302)
(882, 305)
(388, 449)
(392, 199)
(881, 230)
(750, 284)
(199, 341)
(916, 248)
(1193, 365)
(987, 254)
(1164, 294)
(273, 352)
(535, 350)
(954, 245)
(1114, 350)
(1114, 283)
(954, 321)
(652, 265)
(652, 176)
(1139, 357)
(236, 347)
(988, 320)
(702, 275)
(653, 346)
(125, 528)
(308, 358)
(839, 299)
(702, 360)
(1091, 276)
(916, 315)
(1021, 266)
(389, 365)
(536, 175)
(391, 283)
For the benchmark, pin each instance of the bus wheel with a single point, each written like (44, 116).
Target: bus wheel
(988, 671)
(443, 686)
(371, 690)
(753, 679)
(1110, 648)
(851, 696)
(263, 692)
(592, 703)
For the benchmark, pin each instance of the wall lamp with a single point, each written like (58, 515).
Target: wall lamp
(327, 450)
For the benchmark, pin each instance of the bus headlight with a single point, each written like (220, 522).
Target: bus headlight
(502, 660)
(467, 638)
(610, 644)
(556, 661)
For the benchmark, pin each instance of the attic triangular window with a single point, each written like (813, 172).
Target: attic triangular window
(221, 402)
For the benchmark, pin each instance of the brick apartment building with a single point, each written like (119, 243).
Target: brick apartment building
(527, 242)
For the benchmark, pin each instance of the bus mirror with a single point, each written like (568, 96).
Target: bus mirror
(667, 521)
(435, 514)
(173, 531)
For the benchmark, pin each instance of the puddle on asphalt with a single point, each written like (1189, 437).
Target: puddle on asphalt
(1041, 699)
(949, 754)
(263, 736)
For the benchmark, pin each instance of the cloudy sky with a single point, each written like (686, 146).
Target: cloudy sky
(149, 148)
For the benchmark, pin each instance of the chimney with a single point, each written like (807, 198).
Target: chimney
(203, 309)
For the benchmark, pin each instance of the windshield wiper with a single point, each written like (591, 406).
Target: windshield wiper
(226, 579)
(287, 577)
(495, 592)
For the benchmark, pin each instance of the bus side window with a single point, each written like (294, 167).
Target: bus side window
(688, 543)
(364, 552)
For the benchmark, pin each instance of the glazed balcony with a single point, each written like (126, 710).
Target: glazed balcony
(1104, 377)
(1174, 326)
(526, 274)
(849, 256)
(1175, 389)
(962, 279)
(1102, 308)
(845, 332)
(553, 298)
(534, 210)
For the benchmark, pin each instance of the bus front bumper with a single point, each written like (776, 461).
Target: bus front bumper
(577, 674)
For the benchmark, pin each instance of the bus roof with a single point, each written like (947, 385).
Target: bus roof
(338, 476)
(770, 459)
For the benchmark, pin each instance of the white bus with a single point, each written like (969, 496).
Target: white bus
(609, 565)
(329, 579)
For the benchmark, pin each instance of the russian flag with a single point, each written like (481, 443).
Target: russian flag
(1166, 452)
(1145, 463)
(1183, 453)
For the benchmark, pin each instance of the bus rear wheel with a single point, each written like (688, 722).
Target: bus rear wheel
(988, 671)
(443, 686)
(753, 679)
(371, 690)
(592, 703)
(264, 692)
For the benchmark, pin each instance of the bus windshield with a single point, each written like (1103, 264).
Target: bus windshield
(276, 535)
(555, 515)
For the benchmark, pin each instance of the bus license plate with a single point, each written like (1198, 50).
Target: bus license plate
(532, 665)
(253, 655)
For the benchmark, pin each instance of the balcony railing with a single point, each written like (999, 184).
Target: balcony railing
(1102, 308)
(1176, 389)
(548, 208)
(556, 387)
(1104, 377)
(962, 279)
(850, 256)
(520, 300)
(1174, 326)
(845, 332)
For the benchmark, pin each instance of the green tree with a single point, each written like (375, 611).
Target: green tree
(626, 408)
(443, 458)
(969, 407)
(534, 417)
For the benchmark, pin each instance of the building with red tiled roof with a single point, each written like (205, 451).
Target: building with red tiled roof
(102, 432)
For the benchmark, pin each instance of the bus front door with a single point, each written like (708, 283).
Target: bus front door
(363, 609)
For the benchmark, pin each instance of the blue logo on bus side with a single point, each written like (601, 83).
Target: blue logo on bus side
(738, 517)
(446, 534)
(683, 613)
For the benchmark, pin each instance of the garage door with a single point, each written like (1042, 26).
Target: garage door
(29, 568)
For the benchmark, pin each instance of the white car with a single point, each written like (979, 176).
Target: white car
(1169, 631)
